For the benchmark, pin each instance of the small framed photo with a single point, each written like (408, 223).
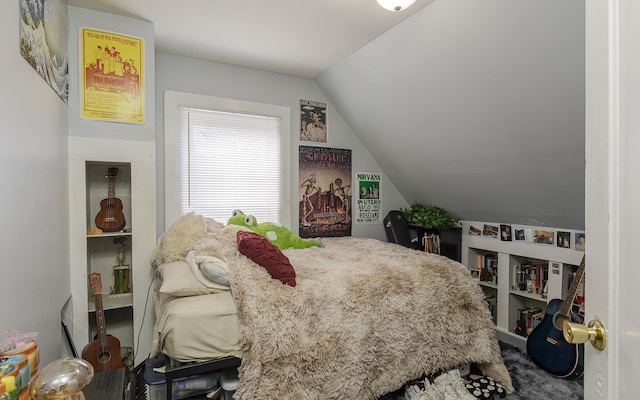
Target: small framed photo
(313, 121)
(475, 230)
(490, 230)
(505, 232)
(580, 241)
(543, 237)
(475, 274)
(563, 239)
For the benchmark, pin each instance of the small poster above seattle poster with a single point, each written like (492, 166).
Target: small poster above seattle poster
(313, 121)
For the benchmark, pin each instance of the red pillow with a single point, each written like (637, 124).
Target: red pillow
(261, 251)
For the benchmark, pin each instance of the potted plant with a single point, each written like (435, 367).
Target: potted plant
(430, 217)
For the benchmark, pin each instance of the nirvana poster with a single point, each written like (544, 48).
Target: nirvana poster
(324, 192)
(368, 203)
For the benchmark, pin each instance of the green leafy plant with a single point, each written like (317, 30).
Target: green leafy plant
(429, 216)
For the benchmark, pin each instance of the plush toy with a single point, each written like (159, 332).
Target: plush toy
(277, 234)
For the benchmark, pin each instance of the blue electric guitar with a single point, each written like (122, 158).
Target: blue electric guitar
(546, 345)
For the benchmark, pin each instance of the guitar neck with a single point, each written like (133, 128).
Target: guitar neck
(111, 187)
(95, 281)
(101, 324)
(568, 301)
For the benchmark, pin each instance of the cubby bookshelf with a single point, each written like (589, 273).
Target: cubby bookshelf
(519, 277)
(124, 284)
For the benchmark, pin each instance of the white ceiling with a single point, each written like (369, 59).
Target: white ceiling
(294, 37)
(476, 106)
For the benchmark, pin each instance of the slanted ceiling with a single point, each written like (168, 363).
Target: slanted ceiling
(476, 107)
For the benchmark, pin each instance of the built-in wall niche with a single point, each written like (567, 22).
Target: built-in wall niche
(108, 191)
(109, 238)
(99, 175)
(127, 316)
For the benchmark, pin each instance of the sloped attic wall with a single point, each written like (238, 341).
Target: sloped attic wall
(476, 106)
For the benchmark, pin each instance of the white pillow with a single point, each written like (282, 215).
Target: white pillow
(214, 273)
(178, 280)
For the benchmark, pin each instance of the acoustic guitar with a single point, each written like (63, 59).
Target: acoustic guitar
(546, 345)
(103, 353)
(110, 217)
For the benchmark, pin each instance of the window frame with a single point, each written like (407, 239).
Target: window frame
(174, 100)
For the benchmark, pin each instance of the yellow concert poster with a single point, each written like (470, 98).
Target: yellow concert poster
(112, 77)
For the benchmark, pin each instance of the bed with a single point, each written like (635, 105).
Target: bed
(363, 318)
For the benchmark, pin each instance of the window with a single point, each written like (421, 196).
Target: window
(224, 154)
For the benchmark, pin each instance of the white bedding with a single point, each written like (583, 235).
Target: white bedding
(196, 328)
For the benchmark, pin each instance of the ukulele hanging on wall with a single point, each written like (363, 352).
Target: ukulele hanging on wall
(110, 217)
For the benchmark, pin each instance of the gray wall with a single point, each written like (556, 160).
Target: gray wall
(476, 106)
(94, 128)
(222, 80)
(34, 230)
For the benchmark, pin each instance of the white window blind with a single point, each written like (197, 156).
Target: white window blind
(229, 161)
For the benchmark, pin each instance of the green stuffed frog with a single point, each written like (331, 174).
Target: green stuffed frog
(277, 234)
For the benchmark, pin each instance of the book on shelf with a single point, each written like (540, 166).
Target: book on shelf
(488, 267)
(520, 327)
(527, 319)
(534, 321)
(492, 302)
(530, 317)
(531, 278)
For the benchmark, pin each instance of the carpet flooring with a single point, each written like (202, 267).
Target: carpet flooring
(529, 381)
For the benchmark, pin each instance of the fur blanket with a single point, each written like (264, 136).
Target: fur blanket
(365, 317)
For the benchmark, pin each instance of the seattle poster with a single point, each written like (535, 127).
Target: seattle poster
(324, 192)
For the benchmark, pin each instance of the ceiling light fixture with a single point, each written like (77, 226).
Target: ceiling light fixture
(395, 5)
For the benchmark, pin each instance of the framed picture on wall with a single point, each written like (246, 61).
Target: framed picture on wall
(580, 241)
(313, 121)
(543, 236)
(563, 239)
(505, 232)
(521, 233)
(490, 230)
(43, 41)
(112, 76)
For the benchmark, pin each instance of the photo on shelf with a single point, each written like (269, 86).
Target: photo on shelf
(490, 230)
(564, 239)
(475, 273)
(544, 237)
(505, 232)
(520, 233)
(475, 230)
(580, 241)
